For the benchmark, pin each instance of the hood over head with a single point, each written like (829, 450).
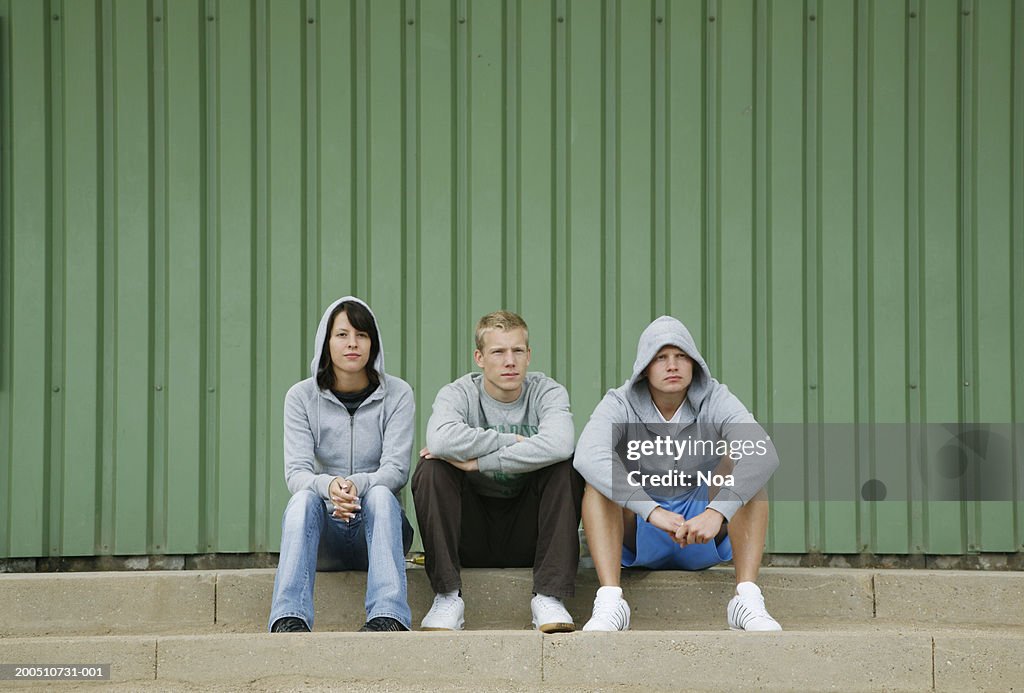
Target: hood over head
(321, 334)
(664, 331)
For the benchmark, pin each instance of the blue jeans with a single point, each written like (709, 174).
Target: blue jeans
(375, 540)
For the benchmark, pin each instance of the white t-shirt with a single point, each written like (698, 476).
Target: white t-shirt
(675, 417)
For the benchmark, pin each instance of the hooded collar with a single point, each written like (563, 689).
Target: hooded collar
(321, 334)
(666, 331)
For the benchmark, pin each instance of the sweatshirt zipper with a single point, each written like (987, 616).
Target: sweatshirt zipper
(351, 444)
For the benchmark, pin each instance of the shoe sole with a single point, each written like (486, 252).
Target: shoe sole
(744, 630)
(440, 630)
(596, 630)
(557, 628)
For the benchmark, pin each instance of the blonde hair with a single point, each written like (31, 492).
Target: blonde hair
(503, 320)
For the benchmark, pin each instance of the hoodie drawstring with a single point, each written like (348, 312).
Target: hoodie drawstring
(318, 419)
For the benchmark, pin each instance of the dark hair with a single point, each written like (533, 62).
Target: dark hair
(362, 320)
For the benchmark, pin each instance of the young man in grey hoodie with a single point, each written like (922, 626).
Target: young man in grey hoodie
(495, 485)
(650, 455)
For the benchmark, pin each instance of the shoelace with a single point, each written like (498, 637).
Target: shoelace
(610, 609)
(549, 602)
(752, 607)
(445, 604)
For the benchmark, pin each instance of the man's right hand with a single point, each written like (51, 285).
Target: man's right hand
(464, 465)
(666, 520)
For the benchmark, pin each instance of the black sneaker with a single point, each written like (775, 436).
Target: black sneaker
(382, 624)
(289, 624)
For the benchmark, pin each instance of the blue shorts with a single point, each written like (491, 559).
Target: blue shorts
(657, 551)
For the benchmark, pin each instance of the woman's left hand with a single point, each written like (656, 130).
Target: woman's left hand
(344, 497)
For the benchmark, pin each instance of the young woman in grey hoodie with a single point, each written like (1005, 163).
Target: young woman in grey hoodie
(348, 433)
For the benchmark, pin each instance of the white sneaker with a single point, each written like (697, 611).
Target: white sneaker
(446, 613)
(611, 612)
(746, 610)
(550, 615)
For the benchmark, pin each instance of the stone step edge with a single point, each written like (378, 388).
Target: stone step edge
(937, 659)
(128, 602)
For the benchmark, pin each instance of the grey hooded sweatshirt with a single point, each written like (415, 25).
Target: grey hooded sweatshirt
(371, 447)
(467, 423)
(709, 407)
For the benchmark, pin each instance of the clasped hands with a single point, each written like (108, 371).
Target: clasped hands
(697, 530)
(345, 497)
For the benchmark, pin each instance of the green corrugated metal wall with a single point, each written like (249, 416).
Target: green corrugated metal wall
(829, 193)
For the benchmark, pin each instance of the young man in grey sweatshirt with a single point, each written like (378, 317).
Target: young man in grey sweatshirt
(495, 486)
(650, 455)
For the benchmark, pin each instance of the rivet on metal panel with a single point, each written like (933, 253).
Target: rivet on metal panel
(967, 383)
(159, 387)
(967, 12)
(561, 19)
(56, 17)
(56, 388)
(211, 389)
(210, 18)
(711, 19)
(310, 20)
(157, 19)
(411, 22)
(813, 386)
(913, 386)
(659, 20)
(462, 20)
(913, 15)
(812, 17)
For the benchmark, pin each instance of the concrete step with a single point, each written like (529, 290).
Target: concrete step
(850, 658)
(165, 602)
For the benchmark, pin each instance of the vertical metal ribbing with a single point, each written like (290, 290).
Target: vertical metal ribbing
(310, 165)
(660, 260)
(209, 292)
(610, 231)
(361, 138)
(410, 242)
(560, 239)
(264, 422)
(712, 304)
(914, 257)
(812, 274)
(762, 219)
(157, 539)
(913, 164)
(53, 472)
(461, 238)
(512, 268)
(6, 266)
(108, 272)
(1017, 252)
(864, 396)
(967, 287)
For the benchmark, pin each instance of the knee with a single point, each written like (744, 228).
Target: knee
(429, 473)
(563, 478)
(302, 508)
(377, 499)
(303, 501)
(597, 501)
